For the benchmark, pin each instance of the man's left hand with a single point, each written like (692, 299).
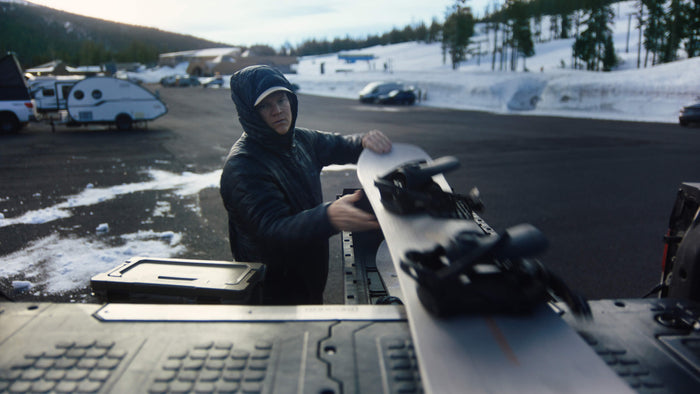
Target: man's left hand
(377, 142)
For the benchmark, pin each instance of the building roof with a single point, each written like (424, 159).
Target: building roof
(210, 52)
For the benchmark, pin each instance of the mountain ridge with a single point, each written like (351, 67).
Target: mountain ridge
(38, 34)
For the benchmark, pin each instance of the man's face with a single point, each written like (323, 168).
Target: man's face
(276, 111)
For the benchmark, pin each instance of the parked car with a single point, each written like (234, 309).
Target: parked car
(184, 81)
(388, 93)
(179, 80)
(689, 113)
(170, 80)
(215, 82)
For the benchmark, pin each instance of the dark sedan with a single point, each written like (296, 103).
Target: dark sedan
(388, 93)
(688, 114)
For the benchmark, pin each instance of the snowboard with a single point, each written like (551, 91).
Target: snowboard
(478, 352)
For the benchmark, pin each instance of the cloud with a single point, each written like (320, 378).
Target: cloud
(244, 22)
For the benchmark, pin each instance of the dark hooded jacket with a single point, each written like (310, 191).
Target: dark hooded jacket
(271, 188)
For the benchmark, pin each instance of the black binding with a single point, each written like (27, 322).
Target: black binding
(475, 272)
(411, 189)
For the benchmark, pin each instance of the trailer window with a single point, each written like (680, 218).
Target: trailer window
(96, 94)
(48, 92)
(79, 94)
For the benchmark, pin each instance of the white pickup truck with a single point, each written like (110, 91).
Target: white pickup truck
(16, 106)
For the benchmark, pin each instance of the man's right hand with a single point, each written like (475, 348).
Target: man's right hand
(345, 216)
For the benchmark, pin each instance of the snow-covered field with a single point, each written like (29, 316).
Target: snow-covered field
(54, 265)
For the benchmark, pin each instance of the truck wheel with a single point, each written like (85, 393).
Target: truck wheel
(123, 122)
(9, 123)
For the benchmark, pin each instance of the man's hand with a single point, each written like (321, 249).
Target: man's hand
(376, 141)
(345, 216)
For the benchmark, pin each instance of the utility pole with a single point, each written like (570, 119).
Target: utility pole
(639, 44)
(629, 25)
(495, 46)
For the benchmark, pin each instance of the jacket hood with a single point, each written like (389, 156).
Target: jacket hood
(246, 86)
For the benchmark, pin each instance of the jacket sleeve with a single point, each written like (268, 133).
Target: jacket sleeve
(333, 148)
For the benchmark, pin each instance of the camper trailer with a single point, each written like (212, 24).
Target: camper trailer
(50, 93)
(106, 100)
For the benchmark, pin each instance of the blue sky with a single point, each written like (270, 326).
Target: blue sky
(245, 22)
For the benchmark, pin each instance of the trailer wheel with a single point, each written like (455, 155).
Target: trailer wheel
(9, 123)
(123, 122)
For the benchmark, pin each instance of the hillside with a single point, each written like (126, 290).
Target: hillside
(40, 34)
(551, 87)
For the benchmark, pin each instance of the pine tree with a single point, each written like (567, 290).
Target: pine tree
(609, 57)
(421, 32)
(434, 31)
(522, 35)
(654, 32)
(457, 32)
(594, 46)
(565, 29)
(674, 22)
(554, 27)
(692, 33)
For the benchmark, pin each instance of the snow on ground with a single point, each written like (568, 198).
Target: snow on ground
(184, 184)
(54, 265)
(653, 94)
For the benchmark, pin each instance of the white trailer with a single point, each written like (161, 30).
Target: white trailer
(50, 93)
(106, 100)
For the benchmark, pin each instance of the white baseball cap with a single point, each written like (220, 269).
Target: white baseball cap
(269, 91)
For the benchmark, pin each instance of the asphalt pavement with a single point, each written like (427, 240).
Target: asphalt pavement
(601, 191)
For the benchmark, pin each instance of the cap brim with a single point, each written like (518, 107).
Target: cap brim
(269, 91)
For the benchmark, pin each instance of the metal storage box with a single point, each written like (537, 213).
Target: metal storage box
(156, 280)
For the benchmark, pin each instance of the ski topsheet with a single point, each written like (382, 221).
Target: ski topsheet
(537, 353)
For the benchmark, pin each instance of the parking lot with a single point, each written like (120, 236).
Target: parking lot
(601, 191)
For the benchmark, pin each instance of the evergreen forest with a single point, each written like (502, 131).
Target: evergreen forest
(668, 30)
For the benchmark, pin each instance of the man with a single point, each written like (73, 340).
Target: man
(271, 188)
